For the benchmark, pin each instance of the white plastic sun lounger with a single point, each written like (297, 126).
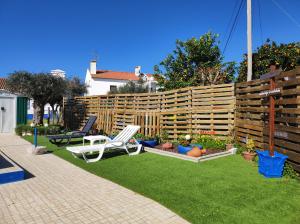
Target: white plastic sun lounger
(121, 141)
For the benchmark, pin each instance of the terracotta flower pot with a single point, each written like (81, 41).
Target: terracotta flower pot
(249, 156)
(195, 152)
(203, 151)
(167, 145)
(229, 146)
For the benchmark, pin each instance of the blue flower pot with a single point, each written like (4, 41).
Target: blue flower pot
(149, 143)
(270, 166)
(184, 149)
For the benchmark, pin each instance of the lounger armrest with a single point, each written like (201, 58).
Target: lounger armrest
(103, 137)
(111, 143)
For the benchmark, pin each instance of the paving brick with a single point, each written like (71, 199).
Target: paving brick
(60, 192)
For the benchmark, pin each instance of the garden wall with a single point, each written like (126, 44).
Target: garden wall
(252, 114)
(183, 111)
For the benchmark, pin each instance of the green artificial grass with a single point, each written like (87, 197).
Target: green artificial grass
(225, 190)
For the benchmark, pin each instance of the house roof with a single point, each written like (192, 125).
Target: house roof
(3, 83)
(106, 74)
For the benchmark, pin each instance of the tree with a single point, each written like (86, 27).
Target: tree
(194, 62)
(285, 56)
(132, 87)
(55, 99)
(20, 82)
(75, 87)
(34, 86)
(44, 88)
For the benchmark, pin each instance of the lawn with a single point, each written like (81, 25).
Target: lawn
(226, 190)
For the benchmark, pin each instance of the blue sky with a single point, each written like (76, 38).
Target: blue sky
(43, 35)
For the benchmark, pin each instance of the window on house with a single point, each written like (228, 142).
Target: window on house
(112, 88)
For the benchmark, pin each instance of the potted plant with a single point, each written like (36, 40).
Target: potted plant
(164, 139)
(230, 139)
(250, 153)
(184, 144)
(149, 141)
(139, 137)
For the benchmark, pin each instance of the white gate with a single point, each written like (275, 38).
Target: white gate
(7, 114)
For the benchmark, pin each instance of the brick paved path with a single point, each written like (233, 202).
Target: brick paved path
(60, 192)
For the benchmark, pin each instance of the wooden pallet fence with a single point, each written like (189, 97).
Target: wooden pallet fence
(213, 109)
(252, 114)
(179, 112)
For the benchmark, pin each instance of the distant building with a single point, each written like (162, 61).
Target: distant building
(58, 73)
(100, 82)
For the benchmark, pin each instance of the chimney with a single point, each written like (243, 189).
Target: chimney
(93, 67)
(137, 70)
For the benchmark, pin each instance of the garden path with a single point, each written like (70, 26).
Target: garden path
(60, 192)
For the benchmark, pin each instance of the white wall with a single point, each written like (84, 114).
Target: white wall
(102, 86)
(8, 119)
(98, 86)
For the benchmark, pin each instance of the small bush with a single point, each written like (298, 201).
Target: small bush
(289, 171)
(41, 130)
(139, 136)
(240, 148)
(210, 142)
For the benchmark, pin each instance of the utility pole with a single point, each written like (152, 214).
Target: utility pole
(249, 40)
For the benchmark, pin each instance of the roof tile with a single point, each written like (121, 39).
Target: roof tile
(3, 84)
(104, 74)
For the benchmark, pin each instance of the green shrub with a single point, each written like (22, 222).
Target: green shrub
(139, 136)
(289, 171)
(20, 128)
(240, 149)
(164, 136)
(41, 130)
(209, 142)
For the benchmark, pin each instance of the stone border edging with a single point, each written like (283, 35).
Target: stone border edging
(189, 158)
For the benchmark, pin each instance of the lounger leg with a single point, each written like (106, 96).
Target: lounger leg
(101, 152)
(126, 150)
(64, 144)
(139, 148)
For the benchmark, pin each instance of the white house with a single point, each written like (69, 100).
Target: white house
(100, 82)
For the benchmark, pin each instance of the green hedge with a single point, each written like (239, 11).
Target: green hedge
(42, 130)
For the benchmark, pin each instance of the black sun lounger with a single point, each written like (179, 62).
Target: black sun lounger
(58, 139)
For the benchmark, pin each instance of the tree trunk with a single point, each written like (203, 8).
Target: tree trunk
(53, 113)
(58, 114)
(40, 114)
(34, 118)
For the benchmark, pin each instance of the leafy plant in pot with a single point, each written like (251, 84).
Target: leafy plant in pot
(230, 139)
(184, 144)
(250, 153)
(164, 139)
(149, 141)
